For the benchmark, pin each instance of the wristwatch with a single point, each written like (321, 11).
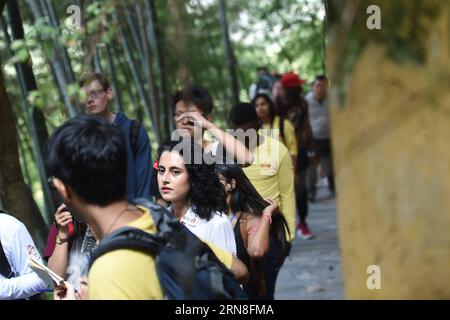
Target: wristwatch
(61, 241)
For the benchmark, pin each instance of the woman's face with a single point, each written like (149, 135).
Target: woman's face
(228, 187)
(173, 177)
(277, 89)
(262, 108)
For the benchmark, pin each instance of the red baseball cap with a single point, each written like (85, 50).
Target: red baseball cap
(291, 80)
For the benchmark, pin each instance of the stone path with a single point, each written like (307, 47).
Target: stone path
(313, 269)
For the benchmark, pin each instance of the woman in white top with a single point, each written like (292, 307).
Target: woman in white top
(195, 193)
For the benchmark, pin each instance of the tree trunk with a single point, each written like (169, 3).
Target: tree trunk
(138, 82)
(96, 61)
(132, 91)
(180, 42)
(47, 6)
(115, 83)
(390, 106)
(155, 37)
(231, 61)
(15, 197)
(33, 116)
(58, 65)
(152, 88)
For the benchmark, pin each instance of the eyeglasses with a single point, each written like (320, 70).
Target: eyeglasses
(94, 94)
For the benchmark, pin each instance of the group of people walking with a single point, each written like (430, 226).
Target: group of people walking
(239, 193)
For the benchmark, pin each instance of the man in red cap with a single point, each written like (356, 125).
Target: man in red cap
(295, 109)
(292, 80)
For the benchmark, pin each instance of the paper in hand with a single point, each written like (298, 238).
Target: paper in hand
(47, 275)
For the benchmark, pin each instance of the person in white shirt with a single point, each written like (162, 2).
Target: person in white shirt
(319, 119)
(195, 193)
(16, 245)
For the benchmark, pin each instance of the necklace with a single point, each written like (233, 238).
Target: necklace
(117, 218)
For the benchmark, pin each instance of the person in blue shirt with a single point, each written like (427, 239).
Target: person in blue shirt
(98, 94)
(64, 236)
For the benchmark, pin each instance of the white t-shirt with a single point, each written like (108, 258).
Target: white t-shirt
(17, 245)
(319, 117)
(218, 230)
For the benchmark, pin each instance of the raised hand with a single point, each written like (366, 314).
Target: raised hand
(272, 208)
(192, 118)
(63, 218)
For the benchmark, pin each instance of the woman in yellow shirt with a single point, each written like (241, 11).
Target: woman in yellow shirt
(276, 126)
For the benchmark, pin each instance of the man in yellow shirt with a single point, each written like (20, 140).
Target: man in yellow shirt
(271, 173)
(86, 158)
(107, 279)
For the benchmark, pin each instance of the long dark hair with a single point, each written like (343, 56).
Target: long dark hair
(293, 99)
(245, 198)
(269, 102)
(272, 111)
(206, 194)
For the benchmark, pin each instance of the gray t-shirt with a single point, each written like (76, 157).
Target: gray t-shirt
(319, 118)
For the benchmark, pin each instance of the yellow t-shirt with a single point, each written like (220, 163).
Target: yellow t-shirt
(126, 274)
(290, 139)
(272, 174)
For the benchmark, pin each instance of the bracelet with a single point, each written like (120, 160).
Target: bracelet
(61, 241)
(268, 215)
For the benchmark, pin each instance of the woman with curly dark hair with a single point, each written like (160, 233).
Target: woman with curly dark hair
(194, 192)
(255, 221)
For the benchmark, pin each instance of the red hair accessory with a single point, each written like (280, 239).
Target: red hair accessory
(291, 80)
(155, 165)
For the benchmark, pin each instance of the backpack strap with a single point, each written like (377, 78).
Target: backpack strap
(5, 267)
(134, 136)
(164, 220)
(136, 239)
(127, 238)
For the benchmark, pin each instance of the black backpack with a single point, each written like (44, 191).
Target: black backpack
(187, 268)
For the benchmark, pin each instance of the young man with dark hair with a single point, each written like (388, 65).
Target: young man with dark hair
(99, 94)
(263, 84)
(193, 118)
(272, 175)
(87, 160)
(69, 242)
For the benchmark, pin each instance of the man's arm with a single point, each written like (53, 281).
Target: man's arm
(233, 146)
(143, 164)
(27, 283)
(21, 287)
